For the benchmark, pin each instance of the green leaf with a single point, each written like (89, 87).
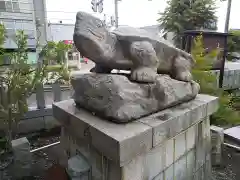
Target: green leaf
(180, 15)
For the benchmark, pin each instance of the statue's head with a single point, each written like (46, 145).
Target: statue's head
(89, 33)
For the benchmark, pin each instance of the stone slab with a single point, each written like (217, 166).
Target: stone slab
(22, 157)
(126, 140)
(169, 160)
(130, 140)
(217, 140)
(31, 125)
(233, 133)
(78, 168)
(114, 97)
(168, 123)
(50, 122)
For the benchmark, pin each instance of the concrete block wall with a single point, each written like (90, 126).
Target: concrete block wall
(173, 144)
(37, 124)
(185, 156)
(231, 78)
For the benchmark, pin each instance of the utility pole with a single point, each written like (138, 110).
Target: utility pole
(228, 16)
(116, 12)
(96, 3)
(38, 41)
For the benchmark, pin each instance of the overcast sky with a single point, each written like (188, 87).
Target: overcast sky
(135, 13)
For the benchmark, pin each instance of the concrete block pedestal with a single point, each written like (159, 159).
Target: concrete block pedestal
(173, 144)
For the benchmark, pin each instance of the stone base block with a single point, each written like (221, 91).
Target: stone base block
(116, 98)
(22, 158)
(217, 138)
(171, 144)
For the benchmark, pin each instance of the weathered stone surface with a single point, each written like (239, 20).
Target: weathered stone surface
(169, 122)
(180, 145)
(50, 122)
(217, 137)
(116, 98)
(133, 139)
(31, 125)
(22, 157)
(233, 133)
(78, 168)
(126, 140)
(128, 48)
(157, 163)
(180, 169)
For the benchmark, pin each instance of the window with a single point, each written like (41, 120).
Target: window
(8, 5)
(25, 1)
(29, 33)
(9, 24)
(12, 6)
(25, 7)
(70, 56)
(2, 6)
(28, 25)
(11, 32)
(15, 7)
(18, 25)
(12, 26)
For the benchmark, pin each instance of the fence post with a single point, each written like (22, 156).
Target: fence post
(57, 93)
(40, 96)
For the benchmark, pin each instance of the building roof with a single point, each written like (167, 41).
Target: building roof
(60, 24)
(206, 32)
(156, 29)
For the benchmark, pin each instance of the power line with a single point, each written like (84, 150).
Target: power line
(22, 14)
(28, 10)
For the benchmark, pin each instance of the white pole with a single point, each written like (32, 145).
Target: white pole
(66, 60)
(116, 12)
(228, 16)
(79, 61)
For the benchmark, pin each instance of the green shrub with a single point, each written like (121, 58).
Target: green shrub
(234, 41)
(226, 114)
(181, 15)
(17, 83)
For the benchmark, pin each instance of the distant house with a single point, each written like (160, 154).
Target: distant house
(22, 15)
(155, 29)
(63, 32)
(59, 32)
(158, 30)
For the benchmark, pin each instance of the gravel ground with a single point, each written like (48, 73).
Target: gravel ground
(230, 166)
(41, 160)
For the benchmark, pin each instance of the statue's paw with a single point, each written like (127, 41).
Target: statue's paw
(184, 76)
(145, 74)
(195, 87)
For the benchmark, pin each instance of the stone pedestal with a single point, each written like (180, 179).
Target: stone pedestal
(172, 144)
(217, 139)
(22, 158)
